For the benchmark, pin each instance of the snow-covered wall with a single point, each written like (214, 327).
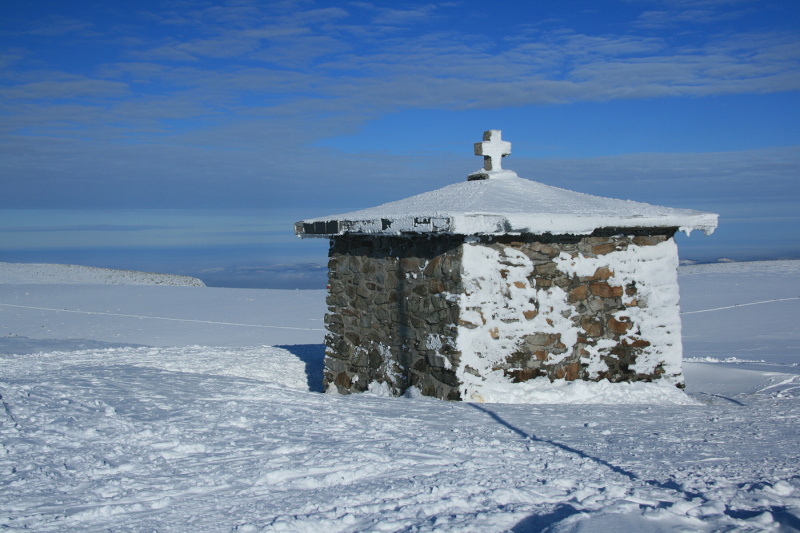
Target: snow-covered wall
(592, 309)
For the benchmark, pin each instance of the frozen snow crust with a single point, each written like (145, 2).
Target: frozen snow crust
(502, 204)
(170, 435)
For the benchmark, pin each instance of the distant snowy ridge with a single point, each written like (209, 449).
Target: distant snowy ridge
(780, 266)
(43, 273)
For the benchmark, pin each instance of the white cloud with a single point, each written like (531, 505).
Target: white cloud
(59, 86)
(247, 54)
(211, 94)
(383, 16)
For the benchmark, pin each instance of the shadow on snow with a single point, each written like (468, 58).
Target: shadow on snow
(312, 355)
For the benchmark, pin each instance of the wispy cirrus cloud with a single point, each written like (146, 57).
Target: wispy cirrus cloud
(274, 56)
(664, 14)
(87, 227)
(384, 16)
(56, 86)
(183, 102)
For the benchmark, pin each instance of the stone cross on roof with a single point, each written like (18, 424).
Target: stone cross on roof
(493, 149)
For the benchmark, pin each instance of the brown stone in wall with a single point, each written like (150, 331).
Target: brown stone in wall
(569, 372)
(602, 249)
(592, 326)
(343, 380)
(520, 375)
(435, 286)
(604, 290)
(578, 293)
(573, 371)
(638, 343)
(548, 250)
(648, 240)
(409, 264)
(602, 273)
(618, 327)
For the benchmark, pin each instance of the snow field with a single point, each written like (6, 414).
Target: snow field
(142, 430)
(134, 447)
(766, 331)
(60, 317)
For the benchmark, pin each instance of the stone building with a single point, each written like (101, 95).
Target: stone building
(483, 289)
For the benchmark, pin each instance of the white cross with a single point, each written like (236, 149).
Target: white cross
(493, 149)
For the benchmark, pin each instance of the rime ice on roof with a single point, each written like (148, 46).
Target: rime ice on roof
(488, 205)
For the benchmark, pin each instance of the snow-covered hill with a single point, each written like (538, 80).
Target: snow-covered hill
(39, 273)
(785, 266)
(132, 408)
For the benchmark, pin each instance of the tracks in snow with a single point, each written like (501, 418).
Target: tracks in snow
(159, 318)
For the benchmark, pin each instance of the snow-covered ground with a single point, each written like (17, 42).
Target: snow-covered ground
(163, 408)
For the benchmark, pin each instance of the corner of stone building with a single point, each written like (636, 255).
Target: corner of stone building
(391, 314)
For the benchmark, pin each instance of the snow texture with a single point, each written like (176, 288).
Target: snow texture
(168, 435)
(507, 204)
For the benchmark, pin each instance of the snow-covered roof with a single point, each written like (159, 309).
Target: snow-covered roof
(497, 202)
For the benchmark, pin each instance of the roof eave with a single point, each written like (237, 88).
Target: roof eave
(494, 224)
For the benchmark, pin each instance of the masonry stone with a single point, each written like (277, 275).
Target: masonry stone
(401, 327)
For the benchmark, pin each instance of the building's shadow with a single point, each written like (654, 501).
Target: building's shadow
(538, 523)
(786, 517)
(312, 355)
(565, 447)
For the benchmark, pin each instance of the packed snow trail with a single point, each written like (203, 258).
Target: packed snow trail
(734, 306)
(157, 317)
(115, 315)
(767, 332)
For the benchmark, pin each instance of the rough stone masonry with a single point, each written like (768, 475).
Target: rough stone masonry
(394, 318)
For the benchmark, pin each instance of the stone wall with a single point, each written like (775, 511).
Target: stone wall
(392, 314)
(473, 320)
(603, 306)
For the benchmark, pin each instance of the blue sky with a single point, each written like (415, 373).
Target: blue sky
(188, 136)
